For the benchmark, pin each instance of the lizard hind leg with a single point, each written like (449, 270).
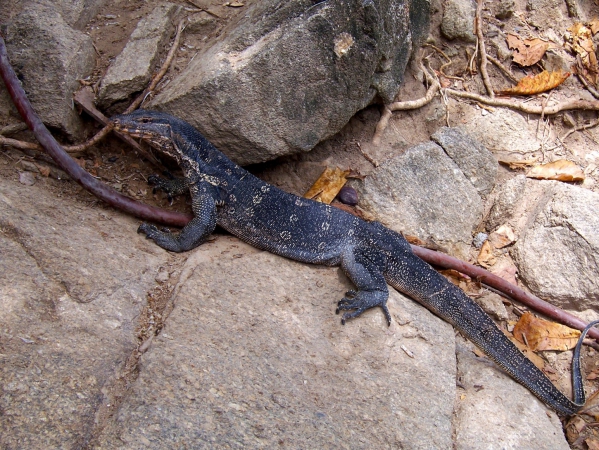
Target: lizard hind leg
(359, 265)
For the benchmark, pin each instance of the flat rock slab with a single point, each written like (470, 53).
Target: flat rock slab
(72, 284)
(423, 192)
(254, 356)
(493, 411)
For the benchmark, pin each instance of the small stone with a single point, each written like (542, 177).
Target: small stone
(348, 195)
(479, 239)
(27, 178)
(458, 20)
(162, 276)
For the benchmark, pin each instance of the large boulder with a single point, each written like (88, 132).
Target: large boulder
(290, 74)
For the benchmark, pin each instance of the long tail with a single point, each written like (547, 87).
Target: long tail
(410, 275)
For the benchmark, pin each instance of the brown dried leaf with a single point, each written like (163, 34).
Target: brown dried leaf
(560, 170)
(526, 51)
(540, 334)
(594, 25)
(580, 41)
(592, 443)
(522, 164)
(535, 84)
(328, 185)
(486, 257)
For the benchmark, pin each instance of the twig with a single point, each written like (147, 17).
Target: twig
(65, 162)
(502, 69)
(586, 105)
(587, 85)
(21, 145)
(146, 212)
(483, 52)
(434, 86)
(580, 128)
(514, 292)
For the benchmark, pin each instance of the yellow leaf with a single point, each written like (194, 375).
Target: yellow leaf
(535, 84)
(328, 185)
(540, 334)
(560, 170)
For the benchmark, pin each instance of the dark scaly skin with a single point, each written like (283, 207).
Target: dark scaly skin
(371, 255)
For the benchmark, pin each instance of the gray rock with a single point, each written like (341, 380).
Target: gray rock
(132, 69)
(474, 160)
(558, 253)
(493, 411)
(423, 192)
(290, 74)
(503, 132)
(545, 14)
(72, 284)
(253, 356)
(493, 305)
(49, 57)
(504, 9)
(458, 20)
(77, 13)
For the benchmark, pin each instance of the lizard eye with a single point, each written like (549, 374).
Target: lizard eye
(145, 120)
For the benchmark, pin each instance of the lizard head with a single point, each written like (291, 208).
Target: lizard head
(154, 127)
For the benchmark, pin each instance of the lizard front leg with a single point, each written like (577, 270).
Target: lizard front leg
(195, 232)
(358, 264)
(171, 187)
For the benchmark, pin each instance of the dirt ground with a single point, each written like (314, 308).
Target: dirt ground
(117, 165)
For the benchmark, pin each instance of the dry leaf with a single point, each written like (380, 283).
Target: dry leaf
(560, 170)
(486, 257)
(526, 51)
(594, 25)
(507, 270)
(540, 334)
(522, 164)
(592, 443)
(235, 4)
(579, 40)
(502, 236)
(535, 84)
(328, 185)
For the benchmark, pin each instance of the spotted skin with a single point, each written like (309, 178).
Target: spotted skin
(300, 229)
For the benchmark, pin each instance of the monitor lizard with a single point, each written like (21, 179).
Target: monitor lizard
(370, 254)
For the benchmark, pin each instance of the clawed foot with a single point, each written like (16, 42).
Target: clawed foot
(360, 301)
(171, 187)
(163, 237)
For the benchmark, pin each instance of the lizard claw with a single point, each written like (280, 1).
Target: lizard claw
(361, 301)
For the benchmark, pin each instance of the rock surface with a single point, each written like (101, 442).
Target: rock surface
(72, 285)
(49, 57)
(287, 76)
(133, 68)
(277, 368)
(423, 192)
(511, 417)
(558, 253)
(557, 247)
(458, 20)
(474, 160)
